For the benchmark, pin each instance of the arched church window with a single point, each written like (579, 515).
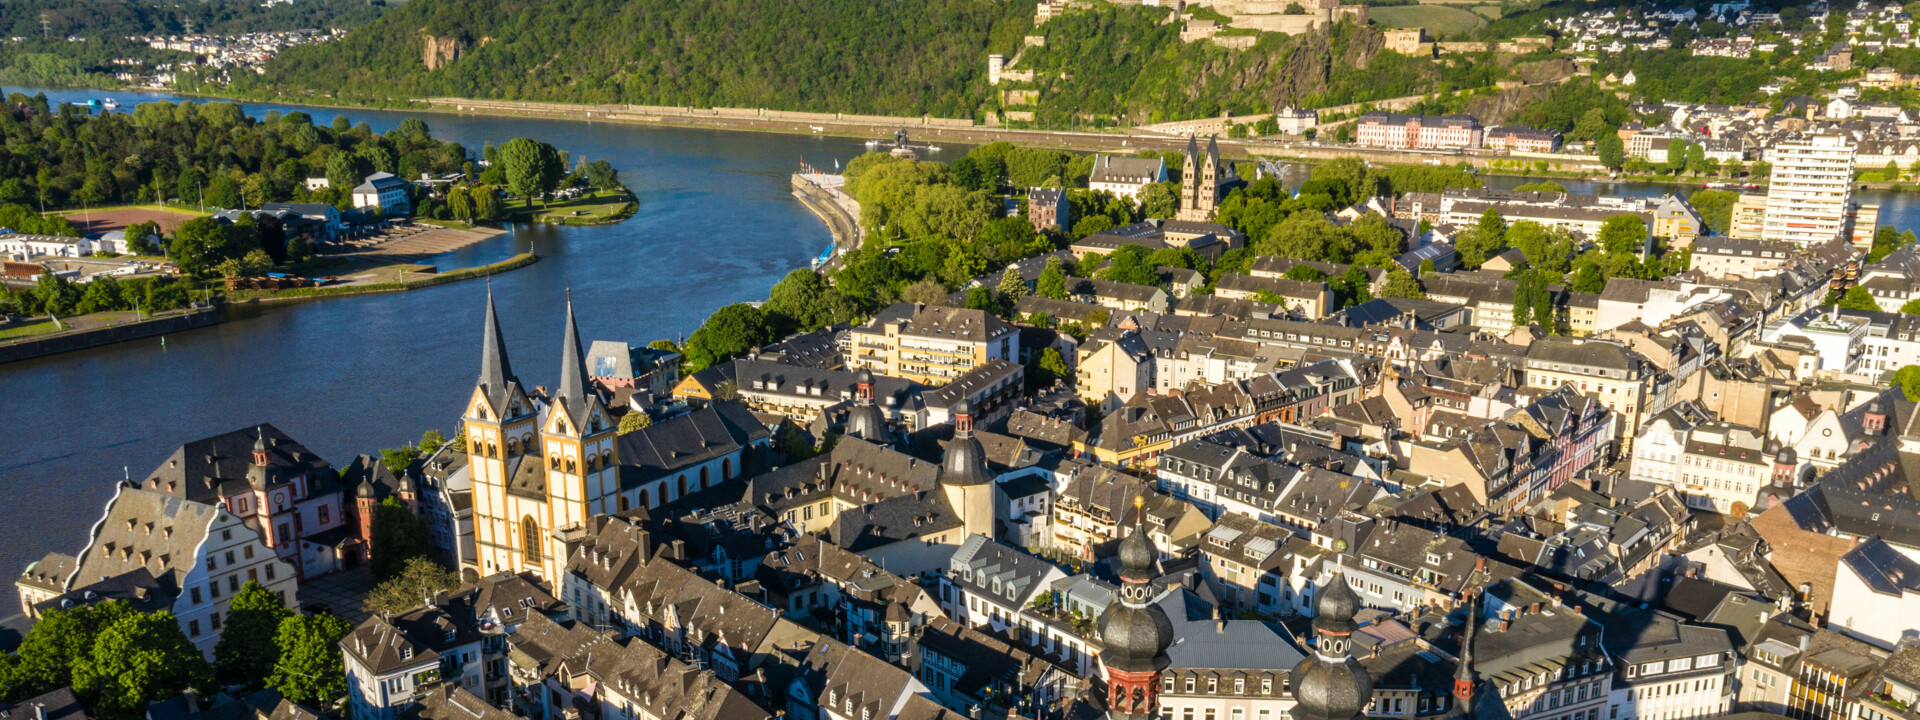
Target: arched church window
(572, 466)
(513, 447)
(644, 501)
(606, 458)
(683, 486)
(726, 468)
(530, 540)
(553, 462)
(493, 451)
(703, 476)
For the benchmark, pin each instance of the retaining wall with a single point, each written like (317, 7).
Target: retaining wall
(83, 339)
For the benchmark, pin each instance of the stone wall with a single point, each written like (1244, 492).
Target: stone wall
(83, 339)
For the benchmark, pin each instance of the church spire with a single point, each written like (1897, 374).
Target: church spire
(573, 369)
(495, 372)
(1463, 675)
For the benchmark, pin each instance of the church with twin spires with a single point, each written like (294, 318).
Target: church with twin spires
(541, 467)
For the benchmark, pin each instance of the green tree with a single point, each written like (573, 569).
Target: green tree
(223, 192)
(1401, 284)
(1908, 380)
(1541, 186)
(1053, 280)
(602, 176)
(399, 535)
(1623, 234)
(729, 331)
(245, 652)
(1484, 240)
(419, 578)
(532, 167)
(309, 669)
(198, 245)
(1611, 150)
(59, 641)
(1716, 207)
(101, 295)
(139, 659)
(1857, 298)
(1159, 200)
(1012, 286)
(635, 420)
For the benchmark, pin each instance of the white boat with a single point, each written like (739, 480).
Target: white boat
(110, 103)
(817, 128)
(933, 148)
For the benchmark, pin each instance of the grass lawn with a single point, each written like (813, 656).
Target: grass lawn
(1439, 19)
(16, 332)
(1490, 12)
(599, 207)
(193, 210)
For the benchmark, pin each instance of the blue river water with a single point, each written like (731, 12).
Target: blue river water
(716, 225)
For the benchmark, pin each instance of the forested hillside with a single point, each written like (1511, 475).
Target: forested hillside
(1125, 62)
(826, 55)
(96, 18)
(1102, 62)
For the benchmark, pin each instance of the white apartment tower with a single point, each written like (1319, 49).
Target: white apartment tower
(1811, 188)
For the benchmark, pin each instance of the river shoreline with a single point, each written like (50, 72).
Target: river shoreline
(979, 134)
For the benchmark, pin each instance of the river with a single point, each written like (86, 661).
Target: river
(716, 225)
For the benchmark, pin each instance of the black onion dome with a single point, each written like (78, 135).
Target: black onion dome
(1336, 606)
(1137, 556)
(864, 377)
(1788, 456)
(1331, 690)
(864, 422)
(406, 483)
(365, 490)
(1772, 448)
(1136, 638)
(965, 463)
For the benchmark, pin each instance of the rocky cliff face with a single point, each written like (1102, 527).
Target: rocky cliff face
(440, 51)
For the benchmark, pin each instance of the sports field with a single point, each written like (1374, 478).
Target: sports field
(1445, 20)
(118, 218)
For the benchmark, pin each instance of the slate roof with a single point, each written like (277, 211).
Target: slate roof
(145, 530)
(995, 569)
(207, 469)
(415, 637)
(894, 519)
(666, 447)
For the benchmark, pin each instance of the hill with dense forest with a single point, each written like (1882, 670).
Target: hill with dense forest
(1104, 62)
(118, 18)
(824, 55)
(1127, 62)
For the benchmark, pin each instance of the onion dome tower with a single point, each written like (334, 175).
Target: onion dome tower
(1135, 631)
(260, 472)
(1330, 684)
(964, 477)
(864, 421)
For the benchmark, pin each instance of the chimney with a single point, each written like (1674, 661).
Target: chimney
(678, 549)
